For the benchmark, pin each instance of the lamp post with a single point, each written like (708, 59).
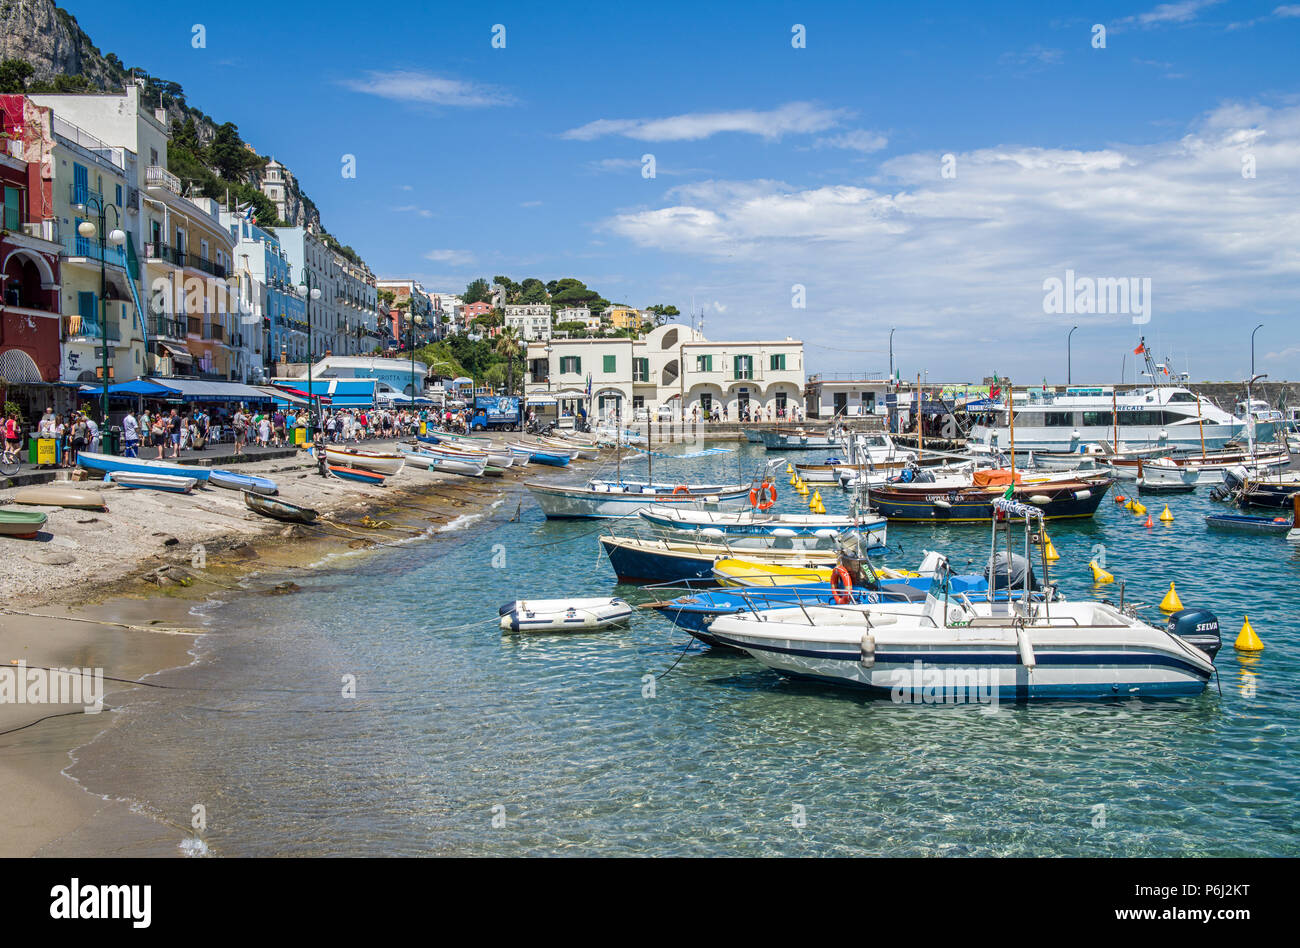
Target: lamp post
(1252, 347)
(412, 320)
(1068, 357)
(89, 229)
(308, 290)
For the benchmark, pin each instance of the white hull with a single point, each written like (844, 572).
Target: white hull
(570, 502)
(366, 461)
(563, 615)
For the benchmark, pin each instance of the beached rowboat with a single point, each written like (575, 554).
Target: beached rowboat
(21, 524)
(51, 496)
(278, 509)
(382, 462)
(142, 481)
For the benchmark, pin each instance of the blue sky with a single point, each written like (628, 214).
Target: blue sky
(776, 166)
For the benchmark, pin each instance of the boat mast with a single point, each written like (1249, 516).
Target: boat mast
(1200, 424)
(920, 432)
(1011, 425)
(1114, 415)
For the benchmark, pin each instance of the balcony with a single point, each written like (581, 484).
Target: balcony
(204, 264)
(167, 326)
(47, 230)
(75, 248)
(165, 253)
(155, 176)
(80, 327)
(214, 331)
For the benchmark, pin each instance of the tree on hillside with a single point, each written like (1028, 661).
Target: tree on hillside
(14, 74)
(478, 292)
(533, 290)
(571, 292)
(229, 156)
(663, 313)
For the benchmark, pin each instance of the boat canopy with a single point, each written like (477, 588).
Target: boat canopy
(998, 477)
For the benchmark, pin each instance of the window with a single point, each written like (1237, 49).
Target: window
(641, 370)
(1058, 419)
(153, 156)
(744, 366)
(118, 202)
(706, 402)
(86, 309)
(570, 365)
(704, 363)
(1098, 418)
(609, 364)
(13, 208)
(777, 362)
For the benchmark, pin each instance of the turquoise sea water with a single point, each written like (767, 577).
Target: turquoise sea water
(463, 741)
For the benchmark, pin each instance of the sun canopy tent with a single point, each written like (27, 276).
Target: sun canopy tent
(143, 387)
(203, 390)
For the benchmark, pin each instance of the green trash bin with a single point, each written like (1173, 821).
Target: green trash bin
(111, 441)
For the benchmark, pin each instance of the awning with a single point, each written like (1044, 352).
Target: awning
(336, 392)
(284, 395)
(571, 393)
(146, 387)
(202, 390)
(542, 400)
(179, 354)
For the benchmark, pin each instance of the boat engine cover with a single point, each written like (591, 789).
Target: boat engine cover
(1198, 627)
(1003, 576)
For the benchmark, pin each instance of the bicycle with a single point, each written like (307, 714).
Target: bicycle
(9, 464)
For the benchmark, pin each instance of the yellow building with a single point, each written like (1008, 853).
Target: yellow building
(624, 317)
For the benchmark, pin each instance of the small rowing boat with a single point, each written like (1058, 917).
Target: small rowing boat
(233, 480)
(50, 496)
(563, 615)
(136, 480)
(356, 474)
(382, 462)
(107, 463)
(278, 509)
(468, 467)
(21, 524)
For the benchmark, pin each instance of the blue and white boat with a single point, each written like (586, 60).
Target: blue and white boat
(602, 499)
(796, 531)
(234, 480)
(535, 456)
(137, 480)
(955, 649)
(106, 463)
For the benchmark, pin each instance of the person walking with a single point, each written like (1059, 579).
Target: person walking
(174, 424)
(240, 424)
(130, 435)
(13, 437)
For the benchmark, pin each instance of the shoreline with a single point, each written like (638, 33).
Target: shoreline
(157, 556)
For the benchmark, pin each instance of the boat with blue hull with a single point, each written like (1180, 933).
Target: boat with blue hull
(645, 560)
(534, 456)
(800, 439)
(801, 531)
(107, 463)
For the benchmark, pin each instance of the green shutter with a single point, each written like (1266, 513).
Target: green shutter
(609, 365)
(777, 362)
(13, 209)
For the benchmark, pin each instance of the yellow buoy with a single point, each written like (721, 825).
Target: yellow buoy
(1139, 509)
(1099, 575)
(1166, 516)
(789, 468)
(1049, 551)
(1128, 504)
(1247, 640)
(1171, 602)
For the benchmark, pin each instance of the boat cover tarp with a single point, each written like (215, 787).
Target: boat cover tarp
(998, 477)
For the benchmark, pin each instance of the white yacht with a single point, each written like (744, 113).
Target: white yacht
(1168, 416)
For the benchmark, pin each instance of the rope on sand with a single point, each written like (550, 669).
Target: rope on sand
(120, 625)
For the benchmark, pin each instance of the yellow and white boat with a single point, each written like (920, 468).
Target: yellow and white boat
(738, 572)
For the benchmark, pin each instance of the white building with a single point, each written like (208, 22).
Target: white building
(847, 394)
(531, 321)
(578, 314)
(675, 367)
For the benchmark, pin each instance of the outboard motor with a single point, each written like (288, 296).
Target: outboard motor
(1010, 574)
(924, 477)
(1197, 627)
(1234, 477)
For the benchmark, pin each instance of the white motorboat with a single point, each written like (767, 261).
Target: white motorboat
(610, 499)
(952, 649)
(1195, 470)
(470, 467)
(746, 528)
(563, 615)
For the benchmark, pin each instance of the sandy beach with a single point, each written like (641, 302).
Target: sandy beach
(115, 590)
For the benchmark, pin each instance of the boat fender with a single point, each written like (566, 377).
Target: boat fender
(944, 504)
(1027, 657)
(713, 499)
(867, 649)
(1040, 499)
(1082, 494)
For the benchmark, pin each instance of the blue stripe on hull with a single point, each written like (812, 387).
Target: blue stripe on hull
(1089, 692)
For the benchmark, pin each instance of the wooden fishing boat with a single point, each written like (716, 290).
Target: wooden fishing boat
(1279, 525)
(356, 474)
(108, 463)
(536, 456)
(382, 462)
(278, 509)
(603, 499)
(136, 480)
(466, 466)
(233, 480)
(749, 527)
(1206, 468)
(642, 560)
(974, 504)
(21, 524)
(49, 495)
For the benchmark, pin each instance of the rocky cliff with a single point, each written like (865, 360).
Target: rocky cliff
(64, 59)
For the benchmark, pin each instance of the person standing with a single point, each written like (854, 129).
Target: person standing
(130, 435)
(174, 432)
(92, 434)
(240, 424)
(13, 437)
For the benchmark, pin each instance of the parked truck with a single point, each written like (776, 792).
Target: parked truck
(500, 412)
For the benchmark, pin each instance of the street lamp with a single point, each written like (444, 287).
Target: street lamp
(309, 291)
(1252, 347)
(412, 320)
(88, 230)
(1068, 368)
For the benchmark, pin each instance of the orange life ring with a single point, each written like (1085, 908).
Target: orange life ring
(681, 489)
(763, 497)
(841, 586)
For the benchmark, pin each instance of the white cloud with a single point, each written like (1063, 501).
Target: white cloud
(427, 89)
(455, 258)
(1183, 11)
(795, 118)
(857, 140)
(940, 255)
